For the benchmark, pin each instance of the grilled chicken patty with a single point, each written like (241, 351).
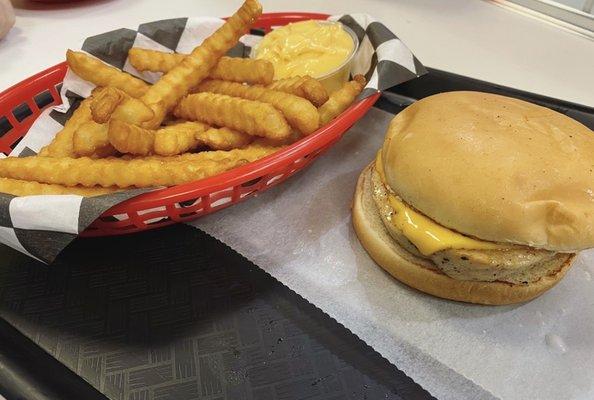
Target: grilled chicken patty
(515, 264)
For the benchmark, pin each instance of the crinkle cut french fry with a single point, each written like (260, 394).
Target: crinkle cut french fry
(113, 103)
(223, 138)
(167, 141)
(175, 84)
(108, 172)
(178, 138)
(17, 187)
(252, 117)
(251, 152)
(130, 139)
(341, 99)
(295, 136)
(289, 85)
(302, 86)
(101, 74)
(91, 140)
(234, 69)
(246, 70)
(104, 103)
(314, 91)
(153, 60)
(61, 145)
(300, 113)
(173, 139)
(123, 173)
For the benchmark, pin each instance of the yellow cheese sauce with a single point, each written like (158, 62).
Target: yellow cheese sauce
(306, 48)
(428, 236)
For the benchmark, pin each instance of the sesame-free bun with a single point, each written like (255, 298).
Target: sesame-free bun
(420, 273)
(495, 168)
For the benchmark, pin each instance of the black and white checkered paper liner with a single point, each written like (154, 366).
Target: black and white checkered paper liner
(41, 226)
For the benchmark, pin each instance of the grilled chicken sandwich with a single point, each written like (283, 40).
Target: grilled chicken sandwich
(477, 197)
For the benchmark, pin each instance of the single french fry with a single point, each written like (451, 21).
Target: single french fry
(108, 172)
(17, 187)
(153, 60)
(130, 139)
(252, 117)
(104, 104)
(91, 140)
(246, 70)
(341, 99)
(124, 173)
(259, 148)
(302, 86)
(113, 103)
(61, 145)
(223, 138)
(163, 96)
(314, 91)
(300, 113)
(289, 85)
(295, 136)
(234, 69)
(178, 138)
(101, 74)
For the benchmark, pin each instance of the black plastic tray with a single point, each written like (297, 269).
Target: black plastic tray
(175, 314)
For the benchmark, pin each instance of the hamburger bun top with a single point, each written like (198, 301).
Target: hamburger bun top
(495, 168)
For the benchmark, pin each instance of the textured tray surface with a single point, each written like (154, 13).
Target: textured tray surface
(174, 314)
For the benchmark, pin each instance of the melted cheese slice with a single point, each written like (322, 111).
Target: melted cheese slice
(428, 236)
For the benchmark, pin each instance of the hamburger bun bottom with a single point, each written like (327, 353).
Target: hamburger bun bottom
(418, 273)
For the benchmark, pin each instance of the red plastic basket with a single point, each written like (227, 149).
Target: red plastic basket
(191, 200)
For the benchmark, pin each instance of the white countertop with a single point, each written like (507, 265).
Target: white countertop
(469, 37)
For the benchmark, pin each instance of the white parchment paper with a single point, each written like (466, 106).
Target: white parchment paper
(301, 233)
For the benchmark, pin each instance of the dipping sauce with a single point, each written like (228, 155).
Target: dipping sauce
(313, 48)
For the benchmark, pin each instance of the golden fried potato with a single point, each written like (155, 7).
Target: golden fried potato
(130, 139)
(91, 140)
(101, 74)
(302, 86)
(259, 148)
(114, 103)
(183, 136)
(300, 113)
(178, 138)
(17, 187)
(163, 96)
(61, 145)
(173, 139)
(294, 137)
(167, 141)
(246, 70)
(234, 69)
(341, 99)
(252, 117)
(123, 173)
(153, 60)
(116, 139)
(223, 138)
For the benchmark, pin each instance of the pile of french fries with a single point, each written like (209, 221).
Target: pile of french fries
(206, 114)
